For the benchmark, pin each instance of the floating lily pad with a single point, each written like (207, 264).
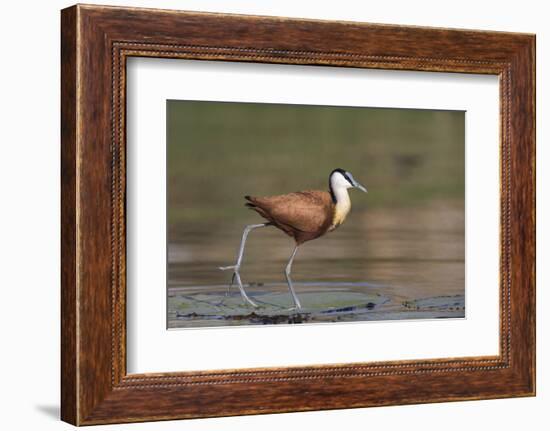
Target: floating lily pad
(274, 306)
(208, 306)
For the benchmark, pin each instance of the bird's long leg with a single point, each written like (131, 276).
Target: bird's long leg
(237, 266)
(289, 281)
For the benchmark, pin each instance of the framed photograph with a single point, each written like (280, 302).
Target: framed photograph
(264, 215)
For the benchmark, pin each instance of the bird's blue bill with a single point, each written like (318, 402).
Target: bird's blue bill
(359, 186)
(355, 183)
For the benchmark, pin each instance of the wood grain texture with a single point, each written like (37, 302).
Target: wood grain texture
(69, 397)
(96, 41)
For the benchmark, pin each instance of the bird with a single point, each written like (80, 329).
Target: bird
(304, 216)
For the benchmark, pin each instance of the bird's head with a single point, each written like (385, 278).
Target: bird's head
(341, 179)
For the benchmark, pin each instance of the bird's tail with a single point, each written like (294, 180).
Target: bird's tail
(253, 204)
(250, 204)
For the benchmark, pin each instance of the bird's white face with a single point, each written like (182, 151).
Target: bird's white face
(339, 181)
(342, 180)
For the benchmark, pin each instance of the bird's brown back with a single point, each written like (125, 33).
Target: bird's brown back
(304, 215)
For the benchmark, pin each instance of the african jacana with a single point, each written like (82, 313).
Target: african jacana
(302, 215)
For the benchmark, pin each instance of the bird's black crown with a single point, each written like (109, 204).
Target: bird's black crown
(342, 171)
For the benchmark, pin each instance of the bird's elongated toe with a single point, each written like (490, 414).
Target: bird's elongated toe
(237, 276)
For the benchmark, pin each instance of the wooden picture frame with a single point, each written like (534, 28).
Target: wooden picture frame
(95, 43)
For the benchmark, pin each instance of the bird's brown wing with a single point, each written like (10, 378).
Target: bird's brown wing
(307, 211)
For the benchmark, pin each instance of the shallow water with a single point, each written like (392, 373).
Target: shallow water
(385, 263)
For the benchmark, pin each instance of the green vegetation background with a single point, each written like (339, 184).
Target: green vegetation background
(220, 151)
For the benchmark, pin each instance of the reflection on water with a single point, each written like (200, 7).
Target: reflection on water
(410, 260)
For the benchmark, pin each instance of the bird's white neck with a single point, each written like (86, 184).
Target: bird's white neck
(341, 196)
(342, 206)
